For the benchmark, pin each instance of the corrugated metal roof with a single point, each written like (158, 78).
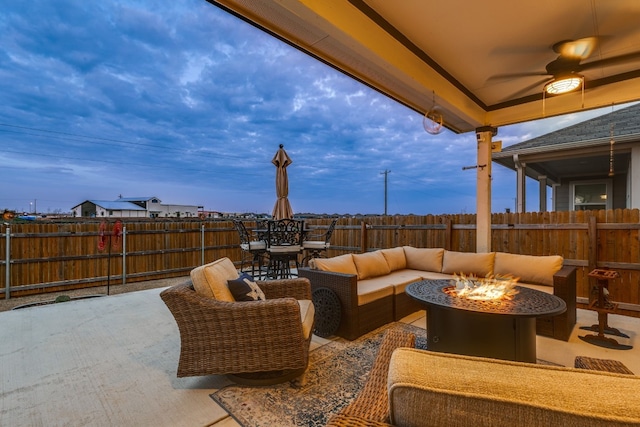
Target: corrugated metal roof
(118, 205)
(136, 199)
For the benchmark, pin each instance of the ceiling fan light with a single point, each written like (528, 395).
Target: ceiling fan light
(563, 85)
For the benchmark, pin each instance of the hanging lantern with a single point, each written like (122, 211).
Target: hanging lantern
(433, 120)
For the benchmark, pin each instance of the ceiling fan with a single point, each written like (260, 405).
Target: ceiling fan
(566, 68)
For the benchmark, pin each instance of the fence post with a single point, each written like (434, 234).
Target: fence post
(202, 244)
(7, 268)
(593, 242)
(448, 233)
(364, 238)
(124, 255)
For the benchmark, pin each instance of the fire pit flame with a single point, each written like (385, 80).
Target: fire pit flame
(486, 289)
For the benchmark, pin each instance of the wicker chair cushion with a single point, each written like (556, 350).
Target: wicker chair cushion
(210, 280)
(395, 258)
(315, 244)
(339, 264)
(371, 264)
(244, 288)
(479, 264)
(424, 259)
(535, 269)
(307, 314)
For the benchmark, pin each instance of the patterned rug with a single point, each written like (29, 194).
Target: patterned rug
(337, 371)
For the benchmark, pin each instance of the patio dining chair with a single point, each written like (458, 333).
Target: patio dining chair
(253, 249)
(316, 245)
(284, 244)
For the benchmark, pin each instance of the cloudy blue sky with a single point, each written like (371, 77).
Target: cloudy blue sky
(180, 100)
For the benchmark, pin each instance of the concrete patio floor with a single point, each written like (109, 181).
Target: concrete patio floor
(111, 361)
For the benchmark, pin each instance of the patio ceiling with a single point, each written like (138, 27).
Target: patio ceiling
(461, 51)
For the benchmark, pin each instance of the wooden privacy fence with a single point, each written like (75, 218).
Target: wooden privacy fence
(42, 256)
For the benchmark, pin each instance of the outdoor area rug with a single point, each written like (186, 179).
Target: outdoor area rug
(337, 371)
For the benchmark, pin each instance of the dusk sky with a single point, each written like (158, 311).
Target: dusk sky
(182, 101)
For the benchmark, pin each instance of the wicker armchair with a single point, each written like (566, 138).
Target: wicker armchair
(261, 337)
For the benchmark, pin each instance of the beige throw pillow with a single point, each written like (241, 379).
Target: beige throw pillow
(424, 259)
(529, 268)
(395, 258)
(339, 264)
(371, 264)
(210, 280)
(468, 263)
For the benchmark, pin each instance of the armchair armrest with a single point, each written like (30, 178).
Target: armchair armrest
(299, 288)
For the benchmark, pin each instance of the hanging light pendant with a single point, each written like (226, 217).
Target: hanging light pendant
(433, 120)
(563, 84)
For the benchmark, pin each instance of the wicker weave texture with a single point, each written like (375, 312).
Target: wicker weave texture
(607, 365)
(341, 420)
(371, 406)
(240, 337)
(355, 320)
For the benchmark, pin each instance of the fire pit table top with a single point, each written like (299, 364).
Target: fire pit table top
(526, 303)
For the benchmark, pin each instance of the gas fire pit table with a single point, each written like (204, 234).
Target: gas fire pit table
(501, 329)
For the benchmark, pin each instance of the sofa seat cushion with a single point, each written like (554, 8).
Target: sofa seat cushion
(371, 264)
(529, 268)
(307, 314)
(401, 278)
(373, 289)
(467, 390)
(432, 275)
(339, 264)
(425, 259)
(210, 280)
(468, 263)
(395, 258)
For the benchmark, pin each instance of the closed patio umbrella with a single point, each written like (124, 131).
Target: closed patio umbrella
(282, 209)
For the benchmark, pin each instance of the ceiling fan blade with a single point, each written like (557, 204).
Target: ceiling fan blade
(516, 75)
(615, 60)
(576, 49)
(525, 91)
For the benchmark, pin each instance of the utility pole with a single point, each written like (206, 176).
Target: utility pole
(386, 174)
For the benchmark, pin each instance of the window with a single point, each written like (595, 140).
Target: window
(591, 195)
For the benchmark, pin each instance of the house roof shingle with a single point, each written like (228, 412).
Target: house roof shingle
(625, 121)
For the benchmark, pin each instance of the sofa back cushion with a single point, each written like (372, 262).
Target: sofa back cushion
(529, 268)
(339, 264)
(395, 258)
(371, 264)
(425, 259)
(468, 263)
(210, 280)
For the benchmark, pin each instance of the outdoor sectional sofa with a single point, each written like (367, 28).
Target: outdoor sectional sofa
(371, 286)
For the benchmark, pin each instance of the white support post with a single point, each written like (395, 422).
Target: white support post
(635, 179)
(483, 189)
(542, 179)
(521, 190)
